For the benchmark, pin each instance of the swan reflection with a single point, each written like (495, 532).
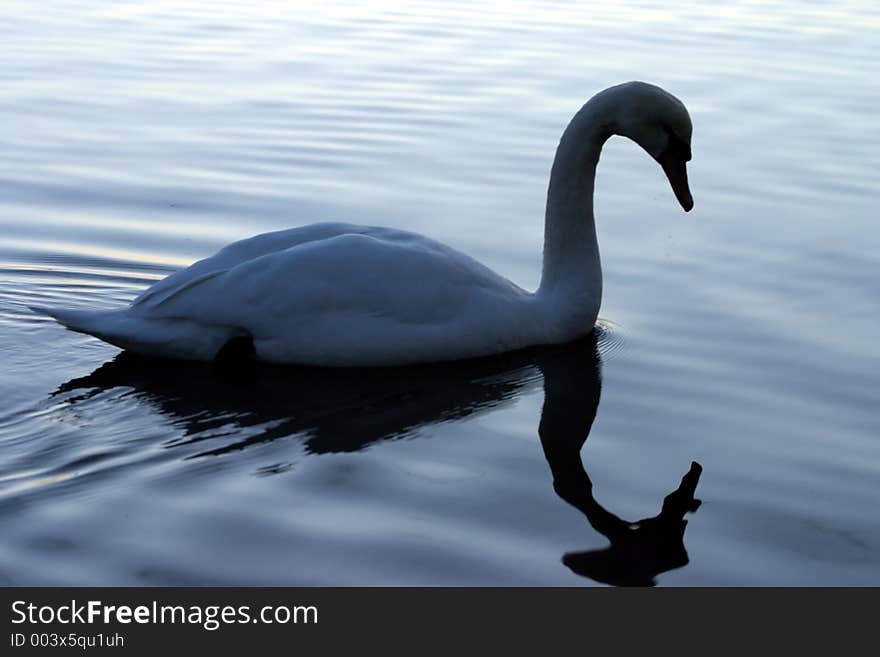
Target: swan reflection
(347, 410)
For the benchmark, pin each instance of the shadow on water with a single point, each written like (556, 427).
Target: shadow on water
(348, 410)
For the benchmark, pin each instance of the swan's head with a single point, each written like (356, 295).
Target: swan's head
(658, 122)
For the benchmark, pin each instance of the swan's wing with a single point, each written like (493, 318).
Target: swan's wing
(349, 291)
(351, 272)
(240, 252)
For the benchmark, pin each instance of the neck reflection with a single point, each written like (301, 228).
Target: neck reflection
(639, 550)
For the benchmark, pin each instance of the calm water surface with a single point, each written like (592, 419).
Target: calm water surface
(140, 136)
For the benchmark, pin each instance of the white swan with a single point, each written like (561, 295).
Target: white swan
(346, 295)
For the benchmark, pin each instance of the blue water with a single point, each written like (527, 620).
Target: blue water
(141, 136)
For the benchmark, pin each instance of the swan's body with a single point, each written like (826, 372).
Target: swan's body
(346, 295)
(327, 294)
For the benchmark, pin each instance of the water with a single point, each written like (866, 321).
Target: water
(140, 136)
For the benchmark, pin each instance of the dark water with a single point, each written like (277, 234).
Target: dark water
(139, 137)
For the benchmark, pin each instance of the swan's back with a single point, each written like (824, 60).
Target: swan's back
(244, 250)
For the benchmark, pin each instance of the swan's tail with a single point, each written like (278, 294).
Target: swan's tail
(170, 338)
(93, 322)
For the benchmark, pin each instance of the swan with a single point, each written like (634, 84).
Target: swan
(336, 294)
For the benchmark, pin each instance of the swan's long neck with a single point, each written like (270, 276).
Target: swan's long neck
(571, 281)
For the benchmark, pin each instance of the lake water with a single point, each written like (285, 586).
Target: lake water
(141, 136)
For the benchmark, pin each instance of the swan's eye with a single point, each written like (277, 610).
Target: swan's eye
(677, 147)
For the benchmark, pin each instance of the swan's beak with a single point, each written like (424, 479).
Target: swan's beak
(675, 169)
